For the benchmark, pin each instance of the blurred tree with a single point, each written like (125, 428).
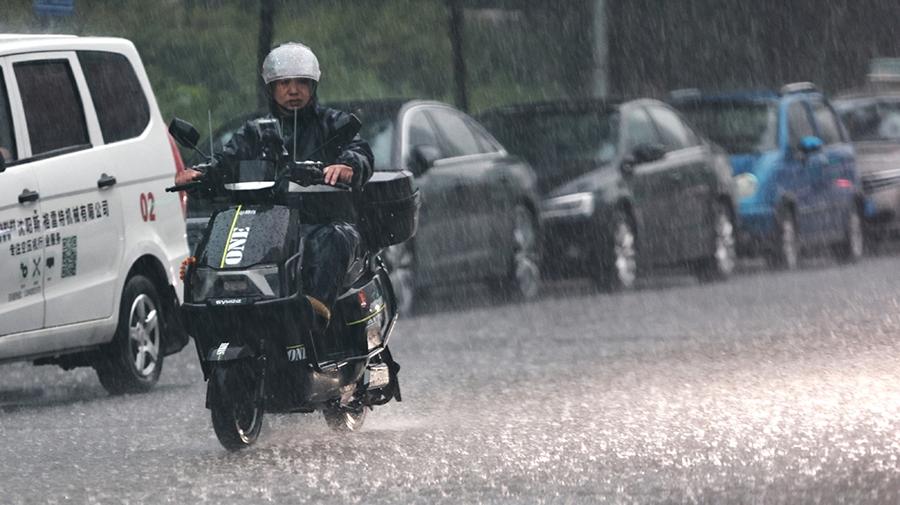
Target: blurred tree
(203, 55)
(266, 29)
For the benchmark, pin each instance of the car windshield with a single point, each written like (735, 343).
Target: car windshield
(872, 120)
(739, 127)
(377, 127)
(380, 135)
(545, 139)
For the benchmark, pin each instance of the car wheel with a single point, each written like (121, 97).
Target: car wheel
(720, 264)
(522, 282)
(132, 362)
(235, 407)
(401, 263)
(850, 249)
(786, 253)
(618, 263)
(344, 419)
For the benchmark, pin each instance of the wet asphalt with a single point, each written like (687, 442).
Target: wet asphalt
(769, 388)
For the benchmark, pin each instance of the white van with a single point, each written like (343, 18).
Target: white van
(90, 242)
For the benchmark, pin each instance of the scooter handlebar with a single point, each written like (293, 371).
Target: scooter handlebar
(309, 173)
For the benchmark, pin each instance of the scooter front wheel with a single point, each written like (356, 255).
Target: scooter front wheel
(235, 405)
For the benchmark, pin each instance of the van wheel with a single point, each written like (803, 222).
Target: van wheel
(618, 268)
(720, 264)
(523, 278)
(785, 255)
(344, 419)
(850, 249)
(132, 362)
(401, 263)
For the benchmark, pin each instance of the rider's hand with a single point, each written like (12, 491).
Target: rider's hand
(338, 173)
(187, 175)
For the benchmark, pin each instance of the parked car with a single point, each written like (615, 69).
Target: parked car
(794, 167)
(479, 219)
(626, 186)
(873, 120)
(90, 243)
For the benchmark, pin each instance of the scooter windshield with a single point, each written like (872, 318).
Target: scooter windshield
(251, 175)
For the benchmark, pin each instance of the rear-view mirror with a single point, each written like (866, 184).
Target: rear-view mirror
(184, 133)
(346, 128)
(422, 158)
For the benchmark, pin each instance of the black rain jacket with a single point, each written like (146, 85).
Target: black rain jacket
(315, 125)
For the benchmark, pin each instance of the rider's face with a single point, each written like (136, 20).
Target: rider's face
(292, 94)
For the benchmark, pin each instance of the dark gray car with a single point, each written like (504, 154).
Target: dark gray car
(626, 186)
(479, 219)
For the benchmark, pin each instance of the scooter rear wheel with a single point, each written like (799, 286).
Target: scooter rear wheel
(235, 406)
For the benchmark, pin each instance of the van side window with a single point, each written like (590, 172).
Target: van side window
(53, 108)
(121, 106)
(7, 136)
(798, 124)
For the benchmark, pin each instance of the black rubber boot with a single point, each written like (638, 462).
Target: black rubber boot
(321, 315)
(295, 346)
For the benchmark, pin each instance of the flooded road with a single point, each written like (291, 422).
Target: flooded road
(769, 388)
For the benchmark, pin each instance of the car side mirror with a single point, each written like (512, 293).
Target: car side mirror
(645, 153)
(810, 144)
(2, 162)
(626, 167)
(422, 157)
(184, 133)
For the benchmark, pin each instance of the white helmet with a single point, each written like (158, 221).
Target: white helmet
(289, 61)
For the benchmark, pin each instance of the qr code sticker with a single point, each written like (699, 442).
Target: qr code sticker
(69, 256)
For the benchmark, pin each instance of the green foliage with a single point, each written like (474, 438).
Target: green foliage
(374, 48)
(201, 55)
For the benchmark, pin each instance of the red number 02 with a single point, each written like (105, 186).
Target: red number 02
(147, 204)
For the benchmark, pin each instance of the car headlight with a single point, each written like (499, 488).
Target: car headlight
(746, 185)
(576, 204)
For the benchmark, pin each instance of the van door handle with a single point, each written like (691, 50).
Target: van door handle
(28, 195)
(106, 181)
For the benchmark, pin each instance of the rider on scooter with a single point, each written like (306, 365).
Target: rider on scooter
(332, 240)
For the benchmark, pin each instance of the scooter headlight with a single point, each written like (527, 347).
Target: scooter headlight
(258, 282)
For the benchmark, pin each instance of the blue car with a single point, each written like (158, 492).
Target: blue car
(794, 167)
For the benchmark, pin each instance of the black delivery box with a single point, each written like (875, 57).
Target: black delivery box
(388, 208)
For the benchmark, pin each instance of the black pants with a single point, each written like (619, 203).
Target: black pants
(328, 252)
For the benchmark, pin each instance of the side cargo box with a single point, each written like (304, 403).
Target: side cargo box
(389, 208)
